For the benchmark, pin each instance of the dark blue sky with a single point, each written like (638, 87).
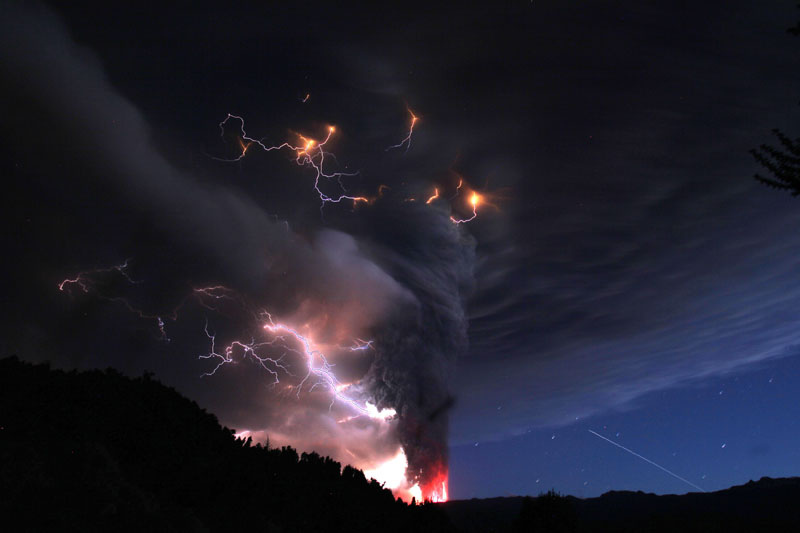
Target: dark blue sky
(717, 432)
(633, 280)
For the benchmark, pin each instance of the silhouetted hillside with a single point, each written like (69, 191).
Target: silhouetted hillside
(97, 450)
(765, 505)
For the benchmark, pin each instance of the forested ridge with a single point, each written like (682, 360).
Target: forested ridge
(96, 450)
(99, 450)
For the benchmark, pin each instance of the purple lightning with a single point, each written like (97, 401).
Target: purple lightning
(310, 153)
(86, 280)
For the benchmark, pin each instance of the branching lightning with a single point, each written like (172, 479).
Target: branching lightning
(85, 280)
(309, 153)
(407, 139)
(288, 340)
(279, 347)
(318, 365)
(88, 280)
(267, 363)
(312, 153)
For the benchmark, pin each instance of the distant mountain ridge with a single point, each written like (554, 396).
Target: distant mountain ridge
(764, 505)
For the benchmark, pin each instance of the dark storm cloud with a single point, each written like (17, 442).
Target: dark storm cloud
(104, 135)
(633, 253)
(402, 285)
(433, 258)
(651, 260)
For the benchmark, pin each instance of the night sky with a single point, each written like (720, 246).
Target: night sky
(624, 274)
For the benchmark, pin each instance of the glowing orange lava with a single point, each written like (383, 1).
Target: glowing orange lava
(436, 490)
(392, 474)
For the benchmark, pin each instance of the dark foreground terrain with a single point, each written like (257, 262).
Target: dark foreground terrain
(101, 451)
(765, 505)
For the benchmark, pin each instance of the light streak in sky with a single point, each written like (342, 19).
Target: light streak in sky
(88, 280)
(407, 139)
(312, 153)
(318, 364)
(458, 189)
(434, 196)
(474, 200)
(673, 474)
(278, 347)
(251, 349)
(309, 152)
(84, 279)
(319, 371)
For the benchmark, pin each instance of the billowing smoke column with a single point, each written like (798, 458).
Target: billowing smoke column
(417, 346)
(370, 313)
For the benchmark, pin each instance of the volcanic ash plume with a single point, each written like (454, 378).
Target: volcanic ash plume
(417, 347)
(348, 321)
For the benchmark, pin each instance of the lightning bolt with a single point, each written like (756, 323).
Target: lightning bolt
(407, 139)
(434, 196)
(278, 346)
(250, 349)
(474, 200)
(88, 280)
(310, 153)
(85, 280)
(318, 365)
(285, 338)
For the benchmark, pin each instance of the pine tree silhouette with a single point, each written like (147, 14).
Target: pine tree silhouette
(783, 163)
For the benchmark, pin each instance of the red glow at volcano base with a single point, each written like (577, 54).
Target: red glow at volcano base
(433, 491)
(436, 490)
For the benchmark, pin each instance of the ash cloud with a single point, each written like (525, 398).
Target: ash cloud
(434, 259)
(633, 254)
(399, 275)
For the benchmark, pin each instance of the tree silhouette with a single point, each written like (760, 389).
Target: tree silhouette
(97, 450)
(783, 163)
(550, 512)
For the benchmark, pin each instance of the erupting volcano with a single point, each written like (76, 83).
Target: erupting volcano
(337, 328)
(379, 324)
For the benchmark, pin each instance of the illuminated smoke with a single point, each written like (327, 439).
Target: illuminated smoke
(395, 276)
(417, 346)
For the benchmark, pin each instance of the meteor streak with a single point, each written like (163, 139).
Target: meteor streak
(673, 474)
